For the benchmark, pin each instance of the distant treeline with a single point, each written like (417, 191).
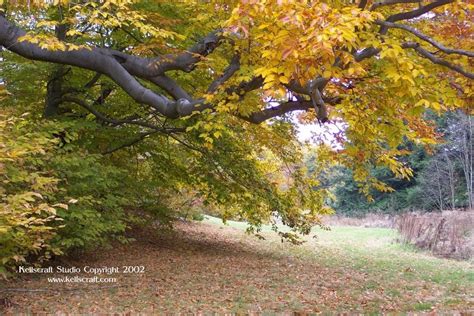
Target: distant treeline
(443, 175)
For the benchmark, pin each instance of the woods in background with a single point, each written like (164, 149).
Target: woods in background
(442, 180)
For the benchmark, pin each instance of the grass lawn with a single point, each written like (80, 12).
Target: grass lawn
(210, 267)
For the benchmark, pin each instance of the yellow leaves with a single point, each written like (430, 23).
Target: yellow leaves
(269, 83)
(391, 52)
(295, 40)
(112, 14)
(274, 77)
(46, 23)
(208, 129)
(44, 41)
(283, 79)
(263, 71)
(26, 216)
(60, 2)
(382, 187)
(398, 168)
(3, 92)
(352, 70)
(327, 74)
(423, 102)
(49, 42)
(73, 32)
(61, 205)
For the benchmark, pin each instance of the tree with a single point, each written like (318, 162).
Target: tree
(462, 137)
(205, 90)
(441, 177)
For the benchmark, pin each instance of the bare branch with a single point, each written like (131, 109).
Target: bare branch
(268, 113)
(132, 142)
(187, 61)
(362, 4)
(426, 38)
(436, 60)
(319, 105)
(93, 81)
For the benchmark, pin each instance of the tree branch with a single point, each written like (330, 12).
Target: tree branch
(231, 69)
(418, 12)
(362, 4)
(187, 61)
(283, 108)
(426, 38)
(171, 87)
(121, 67)
(436, 60)
(132, 142)
(131, 121)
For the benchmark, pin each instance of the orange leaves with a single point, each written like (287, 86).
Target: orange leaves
(294, 40)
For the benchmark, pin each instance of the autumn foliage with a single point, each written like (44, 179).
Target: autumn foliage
(135, 102)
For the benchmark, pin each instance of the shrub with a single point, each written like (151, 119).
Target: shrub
(28, 222)
(99, 195)
(56, 196)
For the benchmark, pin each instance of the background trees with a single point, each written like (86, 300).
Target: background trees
(441, 176)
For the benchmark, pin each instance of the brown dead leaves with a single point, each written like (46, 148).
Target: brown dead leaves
(202, 268)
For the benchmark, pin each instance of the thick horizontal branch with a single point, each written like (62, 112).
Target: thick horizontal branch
(259, 117)
(96, 59)
(186, 61)
(120, 67)
(152, 67)
(246, 86)
(171, 87)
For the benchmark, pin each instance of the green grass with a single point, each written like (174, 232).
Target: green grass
(214, 267)
(375, 251)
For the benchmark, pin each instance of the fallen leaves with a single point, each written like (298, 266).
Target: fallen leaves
(201, 268)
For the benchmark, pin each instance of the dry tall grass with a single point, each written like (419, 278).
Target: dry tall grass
(369, 220)
(447, 234)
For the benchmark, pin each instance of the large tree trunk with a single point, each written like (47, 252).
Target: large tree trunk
(55, 82)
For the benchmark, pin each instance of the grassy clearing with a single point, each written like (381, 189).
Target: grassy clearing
(388, 264)
(211, 267)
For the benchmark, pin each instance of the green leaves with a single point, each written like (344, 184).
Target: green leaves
(28, 223)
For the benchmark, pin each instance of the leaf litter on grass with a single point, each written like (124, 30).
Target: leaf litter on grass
(203, 267)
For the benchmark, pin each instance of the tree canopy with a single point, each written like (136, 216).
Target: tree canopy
(204, 98)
